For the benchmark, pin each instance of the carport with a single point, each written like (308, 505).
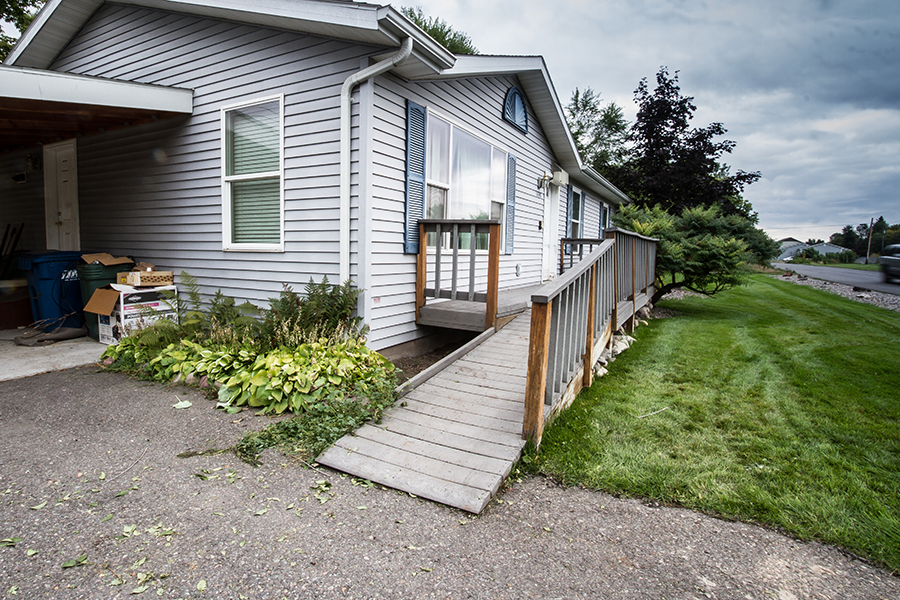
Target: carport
(42, 115)
(39, 107)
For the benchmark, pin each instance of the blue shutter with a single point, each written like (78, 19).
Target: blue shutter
(415, 175)
(569, 213)
(510, 203)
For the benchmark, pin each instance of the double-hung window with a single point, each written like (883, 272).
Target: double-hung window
(466, 178)
(252, 175)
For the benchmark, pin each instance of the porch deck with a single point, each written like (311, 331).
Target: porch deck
(454, 438)
(469, 316)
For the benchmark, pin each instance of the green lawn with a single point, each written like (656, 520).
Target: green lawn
(780, 404)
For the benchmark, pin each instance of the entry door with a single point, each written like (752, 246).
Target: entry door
(549, 256)
(61, 196)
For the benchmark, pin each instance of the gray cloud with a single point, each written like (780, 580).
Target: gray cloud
(809, 90)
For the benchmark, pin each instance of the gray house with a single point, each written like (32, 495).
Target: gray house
(790, 247)
(264, 143)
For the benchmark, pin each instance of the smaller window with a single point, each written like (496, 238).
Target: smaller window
(575, 224)
(514, 110)
(252, 202)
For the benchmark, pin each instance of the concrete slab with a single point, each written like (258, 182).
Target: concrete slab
(24, 361)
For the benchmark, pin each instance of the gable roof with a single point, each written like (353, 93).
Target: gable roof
(59, 20)
(538, 87)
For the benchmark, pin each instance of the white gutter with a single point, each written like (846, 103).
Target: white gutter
(351, 82)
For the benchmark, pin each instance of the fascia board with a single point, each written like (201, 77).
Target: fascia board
(50, 86)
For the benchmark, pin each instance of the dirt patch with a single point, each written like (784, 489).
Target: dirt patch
(89, 475)
(658, 312)
(413, 365)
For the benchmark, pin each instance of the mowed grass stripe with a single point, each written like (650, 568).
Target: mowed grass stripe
(781, 406)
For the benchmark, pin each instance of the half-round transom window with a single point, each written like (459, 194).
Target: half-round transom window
(514, 109)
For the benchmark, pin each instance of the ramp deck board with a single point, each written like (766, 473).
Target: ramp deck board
(454, 438)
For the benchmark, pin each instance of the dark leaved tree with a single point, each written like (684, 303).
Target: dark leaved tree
(673, 165)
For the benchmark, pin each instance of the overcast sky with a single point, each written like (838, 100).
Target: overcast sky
(809, 89)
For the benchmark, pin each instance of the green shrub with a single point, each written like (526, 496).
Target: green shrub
(294, 380)
(325, 311)
(305, 351)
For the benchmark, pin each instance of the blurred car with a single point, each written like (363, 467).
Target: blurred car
(890, 262)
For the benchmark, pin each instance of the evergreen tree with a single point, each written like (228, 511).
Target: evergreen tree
(673, 165)
(456, 42)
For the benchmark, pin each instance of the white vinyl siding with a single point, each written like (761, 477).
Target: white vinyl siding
(476, 104)
(156, 191)
(252, 199)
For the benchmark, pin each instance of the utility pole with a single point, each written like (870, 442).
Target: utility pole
(869, 247)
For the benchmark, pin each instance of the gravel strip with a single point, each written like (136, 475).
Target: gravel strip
(888, 301)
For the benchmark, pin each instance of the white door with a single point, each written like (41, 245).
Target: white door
(550, 254)
(61, 196)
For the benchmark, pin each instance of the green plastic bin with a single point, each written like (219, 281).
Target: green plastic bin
(92, 278)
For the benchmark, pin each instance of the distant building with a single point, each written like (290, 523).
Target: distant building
(791, 247)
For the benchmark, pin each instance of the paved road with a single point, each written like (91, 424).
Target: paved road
(870, 280)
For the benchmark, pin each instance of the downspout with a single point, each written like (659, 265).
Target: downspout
(351, 82)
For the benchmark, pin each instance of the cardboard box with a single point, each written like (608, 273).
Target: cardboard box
(106, 259)
(146, 278)
(121, 309)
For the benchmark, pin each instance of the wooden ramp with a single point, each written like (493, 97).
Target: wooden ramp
(454, 438)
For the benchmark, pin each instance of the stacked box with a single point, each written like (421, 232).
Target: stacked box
(122, 309)
(146, 278)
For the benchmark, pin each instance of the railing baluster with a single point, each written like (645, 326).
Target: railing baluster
(437, 262)
(552, 353)
(472, 265)
(455, 269)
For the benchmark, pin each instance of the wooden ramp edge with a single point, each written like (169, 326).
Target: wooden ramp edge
(455, 438)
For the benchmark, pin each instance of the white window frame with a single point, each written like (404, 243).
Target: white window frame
(580, 219)
(448, 188)
(227, 220)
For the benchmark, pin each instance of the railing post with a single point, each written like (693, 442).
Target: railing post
(611, 234)
(493, 283)
(421, 266)
(647, 277)
(587, 378)
(536, 384)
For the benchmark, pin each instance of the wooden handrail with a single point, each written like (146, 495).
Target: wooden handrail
(574, 243)
(456, 228)
(574, 315)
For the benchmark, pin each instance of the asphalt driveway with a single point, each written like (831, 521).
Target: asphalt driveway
(870, 280)
(90, 477)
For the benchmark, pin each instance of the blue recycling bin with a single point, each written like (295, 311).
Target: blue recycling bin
(54, 288)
